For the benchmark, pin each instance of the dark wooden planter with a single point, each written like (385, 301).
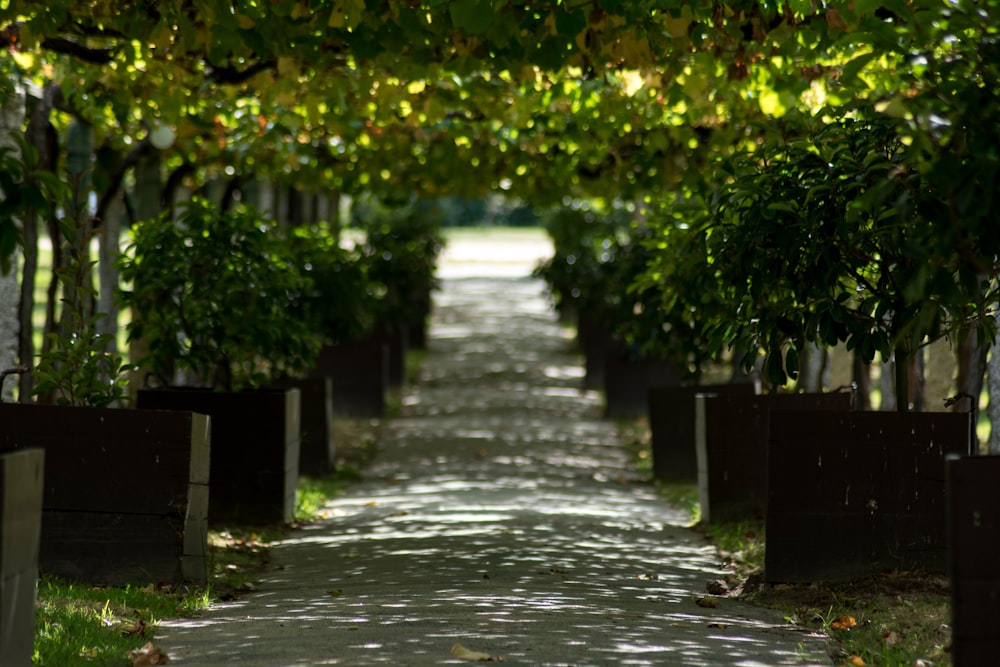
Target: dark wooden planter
(973, 533)
(593, 339)
(856, 493)
(126, 491)
(396, 340)
(21, 479)
(732, 448)
(672, 427)
(416, 330)
(360, 374)
(317, 449)
(255, 449)
(628, 379)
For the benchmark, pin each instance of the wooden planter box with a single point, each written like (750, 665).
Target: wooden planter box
(731, 436)
(317, 449)
(396, 340)
(628, 379)
(255, 449)
(973, 537)
(852, 494)
(21, 477)
(126, 491)
(672, 427)
(360, 374)
(593, 340)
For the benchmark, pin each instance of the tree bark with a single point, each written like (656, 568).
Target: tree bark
(862, 375)
(42, 135)
(12, 116)
(993, 411)
(812, 368)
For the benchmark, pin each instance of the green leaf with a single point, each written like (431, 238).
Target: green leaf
(849, 72)
(472, 16)
(570, 24)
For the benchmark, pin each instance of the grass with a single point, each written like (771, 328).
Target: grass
(896, 619)
(96, 626)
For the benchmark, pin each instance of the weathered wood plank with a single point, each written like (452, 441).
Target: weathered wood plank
(732, 448)
(672, 427)
(21, 489)
(255, 449)
(973, 541)
(855, 493)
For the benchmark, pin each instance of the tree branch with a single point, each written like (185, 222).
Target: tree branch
(230, 75)
(85, 53)
(144, 147)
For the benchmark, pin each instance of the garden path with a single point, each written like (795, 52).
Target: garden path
(500, 515)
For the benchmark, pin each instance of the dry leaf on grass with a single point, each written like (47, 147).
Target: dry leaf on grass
(462, 653)
(148, 656)
(843, 622)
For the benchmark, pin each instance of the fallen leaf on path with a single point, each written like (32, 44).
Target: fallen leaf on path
(462, 653)
(717, 587)
(708, 602)
(720, 626)
(335, 592)
(148, 656)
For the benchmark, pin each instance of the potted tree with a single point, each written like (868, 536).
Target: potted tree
(401, 246)
(838, 236)
(125, 491)
(340, 304)
(216, 300)
(590, 274)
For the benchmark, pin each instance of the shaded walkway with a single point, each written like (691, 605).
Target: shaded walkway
(500, 514)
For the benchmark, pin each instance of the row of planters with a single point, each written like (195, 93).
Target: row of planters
(232, 320)
(844, 492)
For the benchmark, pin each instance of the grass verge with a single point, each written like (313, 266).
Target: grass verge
(896, 619)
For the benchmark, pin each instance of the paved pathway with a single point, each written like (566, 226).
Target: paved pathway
(499, 515)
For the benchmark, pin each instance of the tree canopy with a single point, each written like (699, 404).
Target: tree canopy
(718, 118)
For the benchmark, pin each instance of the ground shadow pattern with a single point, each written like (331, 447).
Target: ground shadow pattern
(500, 514)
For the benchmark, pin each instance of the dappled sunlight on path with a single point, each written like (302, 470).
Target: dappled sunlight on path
(500, 514)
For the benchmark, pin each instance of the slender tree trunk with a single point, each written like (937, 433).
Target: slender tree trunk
(110, 249)
(971, 357)
(149, 204)
(11, 124)
(915, 380)
(887, 385)
(993, 373)
(862, 375)
(42, 135)
(812, 368)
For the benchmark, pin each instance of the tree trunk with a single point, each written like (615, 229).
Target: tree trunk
(149, 204)
(813, 368)
(993, 411)
(110, 249)
(887, 385)
(42, 135)
(11, 124)
(971, 353)
(862, 375)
